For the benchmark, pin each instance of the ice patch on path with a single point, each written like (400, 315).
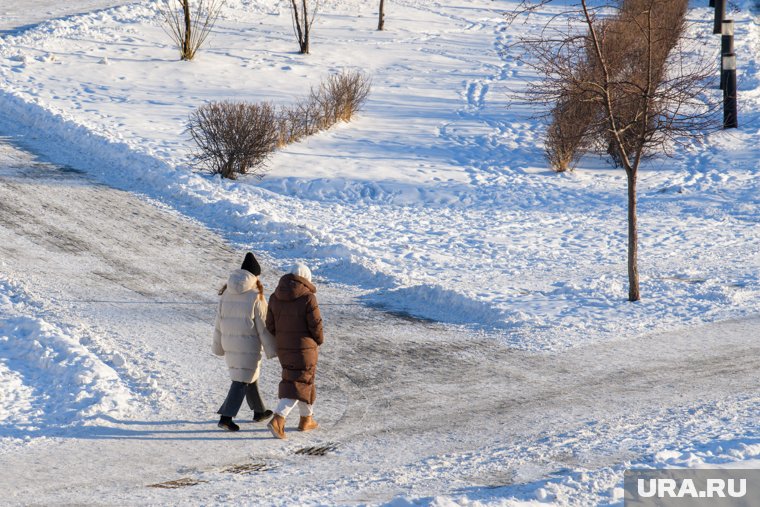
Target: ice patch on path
(49, 379)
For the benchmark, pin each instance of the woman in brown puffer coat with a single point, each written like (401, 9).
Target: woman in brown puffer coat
(293, 318)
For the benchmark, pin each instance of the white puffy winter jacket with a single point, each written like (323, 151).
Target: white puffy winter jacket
(240, 327)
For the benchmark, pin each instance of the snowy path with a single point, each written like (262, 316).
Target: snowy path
(18, 15)
(414, 408)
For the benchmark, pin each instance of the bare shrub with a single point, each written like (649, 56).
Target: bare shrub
(237, 137)
(566, 139)
(337, 98)
(291, 125)
(571, 117)
(311, 117)
(286, 133)
(189, 29)
(234, 137)
(637, 43)
(629, 57)
(345, 94)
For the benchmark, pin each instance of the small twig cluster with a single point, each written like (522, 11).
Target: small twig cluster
(238, 137)
(189, 28)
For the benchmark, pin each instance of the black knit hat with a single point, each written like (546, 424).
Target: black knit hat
(250, 264)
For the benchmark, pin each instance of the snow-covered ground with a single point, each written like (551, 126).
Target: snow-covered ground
(541, 385)
(436, 200)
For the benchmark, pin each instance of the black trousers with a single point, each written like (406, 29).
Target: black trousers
(239, 391)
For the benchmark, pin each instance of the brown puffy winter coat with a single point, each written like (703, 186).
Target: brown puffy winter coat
(293, 318)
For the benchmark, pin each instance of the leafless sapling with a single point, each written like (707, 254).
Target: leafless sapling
(646, 92)
(303, 15)
(189, 29)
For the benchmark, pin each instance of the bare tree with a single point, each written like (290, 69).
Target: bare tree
(381, 16)
(645, 93)
(303, 19)
(189, 29)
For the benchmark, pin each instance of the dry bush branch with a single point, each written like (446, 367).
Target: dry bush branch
(347, 93)
(566, 139)
(336, 99)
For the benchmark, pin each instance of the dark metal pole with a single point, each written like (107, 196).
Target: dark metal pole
(720, 13)
(730, 116)
(712, 3)
(726, 46)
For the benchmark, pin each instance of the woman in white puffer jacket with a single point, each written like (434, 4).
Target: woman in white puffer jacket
(240, 335)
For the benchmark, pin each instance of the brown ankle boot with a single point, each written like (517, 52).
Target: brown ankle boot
(277, 427)
(307, 424)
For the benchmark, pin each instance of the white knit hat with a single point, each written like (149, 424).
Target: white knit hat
(302, 270)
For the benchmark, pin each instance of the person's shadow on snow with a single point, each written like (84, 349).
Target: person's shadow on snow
(140, 430)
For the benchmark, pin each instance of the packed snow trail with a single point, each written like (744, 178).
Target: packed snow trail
(16, 16)
(407, 407)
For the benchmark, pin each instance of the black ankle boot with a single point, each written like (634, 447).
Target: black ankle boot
(226, 424)
(262, 416)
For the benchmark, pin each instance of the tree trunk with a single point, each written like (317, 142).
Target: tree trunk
(297, 23)
(186, 43)
(633, 239)
(381, 18)
(306, 29)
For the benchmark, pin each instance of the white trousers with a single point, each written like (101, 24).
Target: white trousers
(288, 404)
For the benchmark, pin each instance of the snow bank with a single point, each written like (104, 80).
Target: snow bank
(50, 379)
(436, 201)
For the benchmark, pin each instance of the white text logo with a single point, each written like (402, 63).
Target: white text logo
(670, 488)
